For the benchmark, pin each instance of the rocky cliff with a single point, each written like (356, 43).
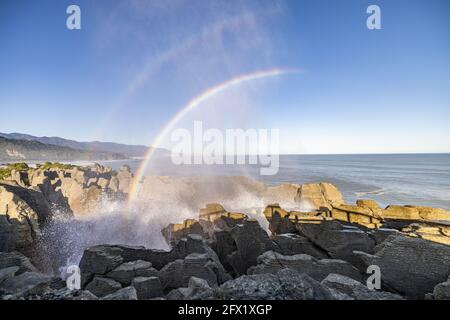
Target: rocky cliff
(307, 243)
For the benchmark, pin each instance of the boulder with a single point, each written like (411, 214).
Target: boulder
(442, 290)
(281, 225)
(128, 293)
(410, 266)
(197, 289)
(177, 273)
(125, 272)
(251, 241)
(147, 287)
(101, 286)
(286, 284)
(291, 244)
(25, 284)
(224, 246)
(345, 288)
(102, 259)
(99, 260)
(272, 262)
(339, 241)
(174, 232)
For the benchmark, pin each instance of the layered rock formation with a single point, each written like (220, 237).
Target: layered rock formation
(307, 244)
(31, 197)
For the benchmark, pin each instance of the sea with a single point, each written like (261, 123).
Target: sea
(403, 179)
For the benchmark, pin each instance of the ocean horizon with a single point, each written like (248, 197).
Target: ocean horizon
(402, 179)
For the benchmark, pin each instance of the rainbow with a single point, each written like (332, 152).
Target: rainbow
(194, 103)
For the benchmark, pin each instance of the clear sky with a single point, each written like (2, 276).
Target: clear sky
(134, 64)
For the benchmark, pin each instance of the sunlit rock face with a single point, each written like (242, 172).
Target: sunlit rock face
(238, 193)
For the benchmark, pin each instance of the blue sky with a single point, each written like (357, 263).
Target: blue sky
(134, 64)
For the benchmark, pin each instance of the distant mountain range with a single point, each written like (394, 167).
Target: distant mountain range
(19, 146)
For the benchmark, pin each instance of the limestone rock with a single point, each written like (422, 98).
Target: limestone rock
(286, 284)
(410, 266)
(346, 288)
(319, 195)
(251, 241)
(24, 284)
(401, 213)
(101, 286)
(291, 244)
(432, 214)
(16, 259)
(272, 262)
(147, 287)
(99, 260)
(7, 273)
(339, 241)
(442, 290)
(177, 273)
(281, 225)
(124, 176)
(125, 272)
(22, 211)
(197, 289)
(382, 234)
(128, 293)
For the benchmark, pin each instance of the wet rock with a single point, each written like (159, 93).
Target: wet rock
(410, 266)
(101, 286)
(345, 288)
(147, 287)
(272, 262)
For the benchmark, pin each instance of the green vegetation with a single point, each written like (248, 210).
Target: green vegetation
(55, 165)
(5, 172)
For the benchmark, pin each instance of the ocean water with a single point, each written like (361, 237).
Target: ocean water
(413, 179)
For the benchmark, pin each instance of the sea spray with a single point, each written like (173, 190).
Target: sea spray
(161, 202)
